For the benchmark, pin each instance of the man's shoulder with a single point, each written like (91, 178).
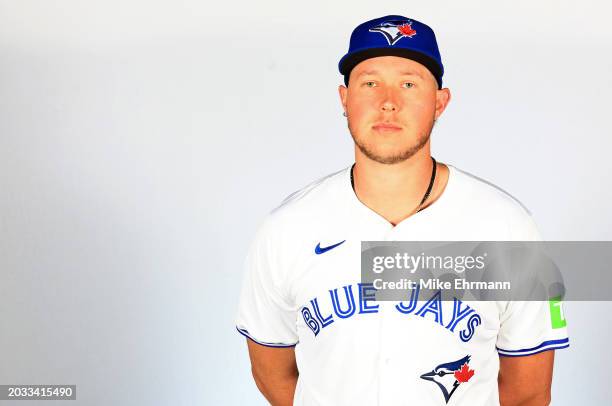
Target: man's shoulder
(481, 194)
(304, 209)
(319, 193)
(490, 210)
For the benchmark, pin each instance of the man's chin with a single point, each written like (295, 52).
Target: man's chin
(388, 156)
(389, 151)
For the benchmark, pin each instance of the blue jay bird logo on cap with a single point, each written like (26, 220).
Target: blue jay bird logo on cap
(450, 375)
(394, 30)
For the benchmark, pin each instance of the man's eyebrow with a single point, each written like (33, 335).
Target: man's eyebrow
(404, 73)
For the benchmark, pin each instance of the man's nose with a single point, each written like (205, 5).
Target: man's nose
(389, 103)
(388, 106)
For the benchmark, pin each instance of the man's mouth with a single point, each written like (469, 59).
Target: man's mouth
(386, 127)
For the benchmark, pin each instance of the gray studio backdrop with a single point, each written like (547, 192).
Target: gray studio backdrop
(141, 143)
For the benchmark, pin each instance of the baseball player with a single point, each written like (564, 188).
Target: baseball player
(315, 333)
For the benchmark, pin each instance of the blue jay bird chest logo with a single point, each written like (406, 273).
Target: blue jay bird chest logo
(395, 30)
(450, 375)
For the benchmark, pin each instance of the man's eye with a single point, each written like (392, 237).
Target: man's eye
(369, 84)
(409, 85)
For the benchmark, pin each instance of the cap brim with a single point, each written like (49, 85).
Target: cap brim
(349, 61)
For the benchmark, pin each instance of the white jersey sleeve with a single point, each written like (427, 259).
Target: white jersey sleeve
(527, 328)
(530, 327)
(264, 313)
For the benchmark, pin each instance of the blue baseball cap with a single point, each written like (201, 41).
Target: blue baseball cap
(393, 35)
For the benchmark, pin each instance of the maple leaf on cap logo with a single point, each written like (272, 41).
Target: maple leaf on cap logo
(464, 374)
(406, 30)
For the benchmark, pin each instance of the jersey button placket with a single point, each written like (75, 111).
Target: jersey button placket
(386, 360)
(387, 366)
(385, 356)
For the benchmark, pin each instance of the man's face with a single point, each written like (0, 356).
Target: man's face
(391, 104)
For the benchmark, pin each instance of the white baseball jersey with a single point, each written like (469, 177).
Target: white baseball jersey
(302, 288)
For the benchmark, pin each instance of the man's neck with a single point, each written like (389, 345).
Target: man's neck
(395, 191)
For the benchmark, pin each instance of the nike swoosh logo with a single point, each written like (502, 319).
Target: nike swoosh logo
(319, 250)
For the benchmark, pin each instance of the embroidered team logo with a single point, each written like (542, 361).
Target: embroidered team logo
(450, 375)
(395, 30)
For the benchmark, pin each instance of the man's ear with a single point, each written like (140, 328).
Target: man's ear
(342, 91)
(443, 97)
